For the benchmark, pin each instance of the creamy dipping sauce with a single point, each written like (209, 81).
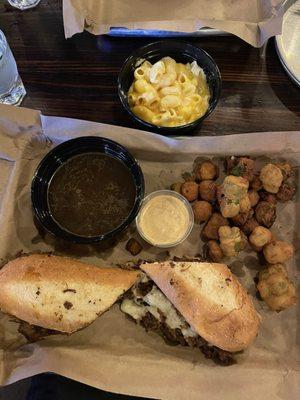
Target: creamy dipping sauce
(164, 220)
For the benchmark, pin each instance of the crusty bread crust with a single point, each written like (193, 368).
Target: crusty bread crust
(60, 293)
(211, 299)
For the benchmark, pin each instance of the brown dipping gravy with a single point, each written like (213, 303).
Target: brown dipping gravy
(91, 194)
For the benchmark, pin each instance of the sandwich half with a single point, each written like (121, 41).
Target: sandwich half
(50, 294)
(194, 304)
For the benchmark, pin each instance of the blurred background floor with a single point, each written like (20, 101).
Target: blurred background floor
(56, 387)
(16, 391)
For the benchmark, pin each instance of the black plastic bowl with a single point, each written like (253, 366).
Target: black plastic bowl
(58, 156)
(181, 52)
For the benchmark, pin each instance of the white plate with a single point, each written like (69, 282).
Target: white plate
(288, 43)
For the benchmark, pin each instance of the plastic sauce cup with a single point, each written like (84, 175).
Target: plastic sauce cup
(165, 219)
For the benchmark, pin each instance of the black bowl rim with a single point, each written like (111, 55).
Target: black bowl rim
(72, 237)
(172, 129)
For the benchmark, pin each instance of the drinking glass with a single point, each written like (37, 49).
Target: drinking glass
(23, 4)
(12, 89)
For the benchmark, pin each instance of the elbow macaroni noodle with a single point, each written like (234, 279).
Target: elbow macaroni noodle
(168, 93)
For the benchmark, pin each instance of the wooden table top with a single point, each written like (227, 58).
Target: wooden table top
(78, 77)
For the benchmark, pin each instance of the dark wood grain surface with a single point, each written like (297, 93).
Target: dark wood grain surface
(78, 77)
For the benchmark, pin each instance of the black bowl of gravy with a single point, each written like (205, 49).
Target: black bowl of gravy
(87, 190)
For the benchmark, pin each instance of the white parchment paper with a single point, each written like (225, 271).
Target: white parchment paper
(252, 20)
(113, 353)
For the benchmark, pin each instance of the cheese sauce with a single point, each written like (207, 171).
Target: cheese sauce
(164, 220)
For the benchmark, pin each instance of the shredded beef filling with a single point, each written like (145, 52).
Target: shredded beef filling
(171, 336)
(145, 287)
(33, 333)
(175, 337)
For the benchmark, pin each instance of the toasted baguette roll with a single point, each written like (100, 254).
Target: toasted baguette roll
(210, 299)
(60, 293)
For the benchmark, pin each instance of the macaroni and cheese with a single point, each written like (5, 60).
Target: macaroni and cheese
(168, 93)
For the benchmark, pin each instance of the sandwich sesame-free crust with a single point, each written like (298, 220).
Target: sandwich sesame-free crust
(211, 300)
(60, 293)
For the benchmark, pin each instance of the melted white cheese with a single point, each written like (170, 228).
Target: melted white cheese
(156, 300)
(131, 308)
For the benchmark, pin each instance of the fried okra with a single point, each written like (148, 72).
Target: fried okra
(211, 229)
(275, 288)
(271, 177)
(202, 211)
(233, 197)
(285, 192)
(256, 183)
(232, 240)
(176, 187)
(286, 169)
(259, 237)
(242, 218)
(207, 170)
(207, 190)
(253, 197)
(133, 246)
(241, 166)
(249, 226)
(269, 197)
(265, 213)
(278, 251)
(190, 190)
(215, 252)
(245, 205)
